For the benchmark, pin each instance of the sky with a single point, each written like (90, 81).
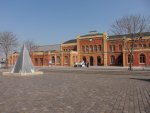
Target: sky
(48, 22)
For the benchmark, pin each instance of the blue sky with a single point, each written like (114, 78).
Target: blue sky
(55, 21)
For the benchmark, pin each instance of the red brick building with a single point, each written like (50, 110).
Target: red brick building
(97, 49)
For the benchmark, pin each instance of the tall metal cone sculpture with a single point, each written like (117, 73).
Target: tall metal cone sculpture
(24, 64)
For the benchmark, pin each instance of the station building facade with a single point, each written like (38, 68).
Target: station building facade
(97, 49)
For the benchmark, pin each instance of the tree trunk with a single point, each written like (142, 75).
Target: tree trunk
(6, 62)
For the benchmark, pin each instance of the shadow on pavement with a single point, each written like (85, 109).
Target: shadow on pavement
(147, 80)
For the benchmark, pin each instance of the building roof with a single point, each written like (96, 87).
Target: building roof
(55, 47)
(71, 41)
(91, 34)
(129, 35)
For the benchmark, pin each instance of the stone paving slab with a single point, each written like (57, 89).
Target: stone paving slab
(58, 92)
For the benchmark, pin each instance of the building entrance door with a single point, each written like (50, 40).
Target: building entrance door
(120, 60)
(84, 59)
(98, 60)
(91, 61)
(53, 60)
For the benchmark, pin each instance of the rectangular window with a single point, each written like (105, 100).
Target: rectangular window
(142, 58)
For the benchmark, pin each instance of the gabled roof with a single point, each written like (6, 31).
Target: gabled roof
(55, 47)
(71, 41)
(129, 35)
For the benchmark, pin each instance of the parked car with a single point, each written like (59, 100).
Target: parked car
(80, 64)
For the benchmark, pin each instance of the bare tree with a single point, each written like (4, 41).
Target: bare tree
(31, 46)
(8, 42)
(133, 26)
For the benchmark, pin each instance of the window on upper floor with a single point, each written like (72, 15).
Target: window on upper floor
(87, 48)
(83, 49)
(99, 48)
(120, 47)
(95, 48)
(112, 48)
(91, 48)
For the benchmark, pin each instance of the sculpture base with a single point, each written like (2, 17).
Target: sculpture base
(22, 74)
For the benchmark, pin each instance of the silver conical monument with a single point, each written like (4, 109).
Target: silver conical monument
(24, 64)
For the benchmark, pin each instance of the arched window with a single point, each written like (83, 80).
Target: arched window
(91, 48)
(129, 58)
(87, 48)
(58, 59)
(83, 49)
(112, 59)
(99, 48)
(95, 48)
(142, 58)
(66, 59)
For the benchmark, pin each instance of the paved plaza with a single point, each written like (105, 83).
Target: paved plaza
(76, 91)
